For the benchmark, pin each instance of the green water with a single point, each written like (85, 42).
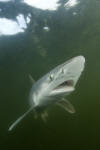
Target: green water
(36, 52)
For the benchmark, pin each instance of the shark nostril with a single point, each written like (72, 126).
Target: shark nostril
(63, 71)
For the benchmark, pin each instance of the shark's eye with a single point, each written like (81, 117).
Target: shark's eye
(51, 77)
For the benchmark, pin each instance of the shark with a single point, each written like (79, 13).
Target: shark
(53, 88)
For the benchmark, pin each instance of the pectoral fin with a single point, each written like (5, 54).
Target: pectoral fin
(31, 79)
(66, 105)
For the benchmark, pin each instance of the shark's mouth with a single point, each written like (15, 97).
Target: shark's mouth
(64, 88)
(66, 83)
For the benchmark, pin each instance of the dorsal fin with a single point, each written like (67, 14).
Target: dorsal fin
(31, 79)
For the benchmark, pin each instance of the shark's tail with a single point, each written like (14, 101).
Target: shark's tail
(19, 119)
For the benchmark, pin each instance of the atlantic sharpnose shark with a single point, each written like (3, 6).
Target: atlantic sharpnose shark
(53, 87)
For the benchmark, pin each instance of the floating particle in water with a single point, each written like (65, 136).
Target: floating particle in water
(74, 13)
(46, 28)
(36, 39)
(28, 18)
(42, 51)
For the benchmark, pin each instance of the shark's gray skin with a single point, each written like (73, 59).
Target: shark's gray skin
(53, 87)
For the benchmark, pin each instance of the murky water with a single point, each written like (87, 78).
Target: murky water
(34, 38)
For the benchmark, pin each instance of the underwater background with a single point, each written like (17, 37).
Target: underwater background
(34, 38)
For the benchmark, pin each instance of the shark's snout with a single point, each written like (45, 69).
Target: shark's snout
(72, 70)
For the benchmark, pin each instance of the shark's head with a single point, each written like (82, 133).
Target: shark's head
(65, 76)
(58, 82)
